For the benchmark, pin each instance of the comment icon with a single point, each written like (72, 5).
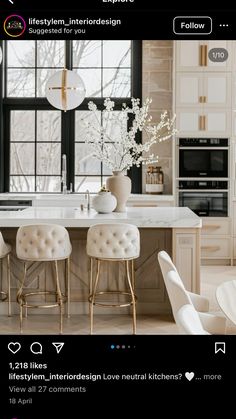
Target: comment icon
(36, 348)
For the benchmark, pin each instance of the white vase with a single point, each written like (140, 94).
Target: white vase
(104, 202)
(120, 185)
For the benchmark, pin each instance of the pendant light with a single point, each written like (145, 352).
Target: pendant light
(65, 90)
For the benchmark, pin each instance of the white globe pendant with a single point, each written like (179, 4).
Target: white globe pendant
(0, 55)
(65, 90)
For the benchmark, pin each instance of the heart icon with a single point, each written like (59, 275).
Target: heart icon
(14, 347)
(189, 375)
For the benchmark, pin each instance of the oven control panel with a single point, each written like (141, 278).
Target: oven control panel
(203, 142)
(203, 184)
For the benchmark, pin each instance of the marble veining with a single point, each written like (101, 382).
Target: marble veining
(145, 217)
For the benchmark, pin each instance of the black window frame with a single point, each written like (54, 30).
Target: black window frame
(8, 104)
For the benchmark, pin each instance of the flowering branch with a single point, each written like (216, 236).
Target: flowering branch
(121, 152)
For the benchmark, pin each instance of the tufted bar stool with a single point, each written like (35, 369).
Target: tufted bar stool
(43, 243)
(5, 250)
(113, 243)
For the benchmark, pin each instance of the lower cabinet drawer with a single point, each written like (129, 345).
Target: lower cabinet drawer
(216, 226)
(215, 247)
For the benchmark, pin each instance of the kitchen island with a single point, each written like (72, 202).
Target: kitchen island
(176, 230)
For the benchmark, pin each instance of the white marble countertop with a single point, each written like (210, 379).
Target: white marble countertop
(160, 217)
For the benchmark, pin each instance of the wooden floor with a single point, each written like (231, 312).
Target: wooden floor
(211, 277)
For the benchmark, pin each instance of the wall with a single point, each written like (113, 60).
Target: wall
(157, 84)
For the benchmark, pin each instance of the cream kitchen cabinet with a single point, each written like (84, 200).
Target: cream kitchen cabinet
(203, 122)
(234, 231)
(201, 90)
(186, 244)
(233, 161)
(216, 239)
(193, 56)
(234, 124)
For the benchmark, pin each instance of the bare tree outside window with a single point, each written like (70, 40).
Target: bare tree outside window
(35, 135)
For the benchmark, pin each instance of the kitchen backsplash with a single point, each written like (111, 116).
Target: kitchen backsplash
(157, 84)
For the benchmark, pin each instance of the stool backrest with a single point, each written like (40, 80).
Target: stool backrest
(113, 241)
(43, 242)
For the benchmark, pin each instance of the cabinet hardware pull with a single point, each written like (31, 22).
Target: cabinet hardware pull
(200, 122)
(211, 248)
(205, 55)
(211, 226)
(201, 53)
(204, 122)
(202, 99)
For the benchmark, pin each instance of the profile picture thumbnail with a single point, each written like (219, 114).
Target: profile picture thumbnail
(14, 26)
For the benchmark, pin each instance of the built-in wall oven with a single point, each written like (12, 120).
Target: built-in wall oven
(205, 204)
(203, 182)
(203, 157)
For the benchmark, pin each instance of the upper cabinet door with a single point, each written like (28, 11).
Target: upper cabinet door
(203, 89)
(187, 55)
(216, 89)
(194, 55)
(203, 122)
(189, 89)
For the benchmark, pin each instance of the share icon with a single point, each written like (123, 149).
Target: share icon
(58, 346)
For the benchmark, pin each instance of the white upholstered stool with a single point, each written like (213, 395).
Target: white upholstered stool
(43, 243)
(113, 243)
(5, 250)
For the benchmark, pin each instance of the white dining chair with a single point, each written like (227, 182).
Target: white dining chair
(200, 303)
(188, 321)
(179, 296)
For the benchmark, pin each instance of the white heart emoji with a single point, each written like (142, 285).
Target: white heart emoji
(189, 375)
(14, 347)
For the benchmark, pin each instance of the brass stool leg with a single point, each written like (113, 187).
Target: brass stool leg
(19, 299)
(59, 296)
(9, 284)
(132, 294)
(93, 296)
(91, 277)
(68, 292)
(132, 274)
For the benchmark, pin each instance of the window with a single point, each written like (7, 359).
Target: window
(37, 134)
(30, 64)
(105, 67)
(35, 151)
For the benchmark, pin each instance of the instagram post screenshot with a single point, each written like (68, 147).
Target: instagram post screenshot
(117, 205)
